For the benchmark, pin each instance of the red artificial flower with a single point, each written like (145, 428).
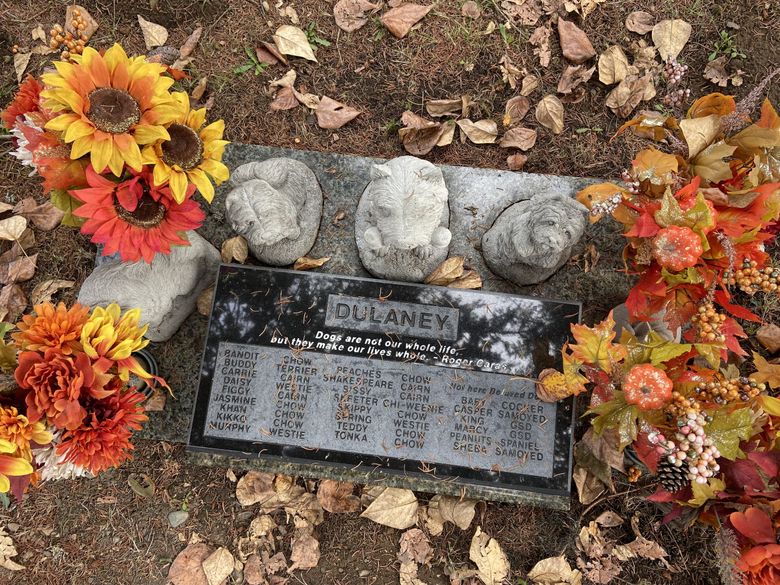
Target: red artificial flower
(677, 248)
(647, 386)
(134, 217)
(56, 385)
(760, 565)
(103, 440)
(26, 100)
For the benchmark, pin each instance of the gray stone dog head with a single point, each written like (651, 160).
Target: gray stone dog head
(546, 227)
(406, 198)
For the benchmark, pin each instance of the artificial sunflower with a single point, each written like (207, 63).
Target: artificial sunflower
(108, 105)
(134, 217)
(10, 465)
(192, 152)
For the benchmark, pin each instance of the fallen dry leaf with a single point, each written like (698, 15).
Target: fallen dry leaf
(45, 216)
(269, 54)
(640, 22)
(613, 65)
(530, 83)
(419, 135)
(522, 138)
(448, 133)
(307, 263)
(218, 566)
(401, 19)
(187, 568)
(332, 115)
(525, 12)
(254, 487)
(21, 61)
(291, 40)
(394, 507)
(670, 37)
(549, 113)
(471, 9)
(589, 487)
(627, 95)
(486, 553)
(415, 547)
(38, 34)
(574, 76)
(439, 108)
(19, 270)
(516, 162)
(90, 24)
(459, 511)
(305, 549)
(254, 572)
(337, 497)
(44, 291)
(588, 6)
(200, 89)
(156, 400)
(351, 15)
(510, 72)
(284, 100)
(236, 249)
(155, 35)
(575, 45)
(554, 571)
(768, 335)
(700, 132)
(540, 39)
(715, 71)
(189, 45)
(7, 551)
(205, 300)
(479, 132)
(12, 228)
(515, 110)
(446, 272)
(470, 280)
(609, 519)
(12, 302)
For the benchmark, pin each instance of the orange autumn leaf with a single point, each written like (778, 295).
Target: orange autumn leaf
(655, 166)
(766, 372)
(769, 117)
(714, 103)
(596, 194)
(594, 344)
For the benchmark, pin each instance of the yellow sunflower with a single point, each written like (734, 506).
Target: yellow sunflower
(108, 105)
(192, 153)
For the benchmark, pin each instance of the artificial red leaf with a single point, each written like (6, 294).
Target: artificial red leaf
(753, 524)
(646, 452)
(645, 226)
(742, 475)
(740, 312)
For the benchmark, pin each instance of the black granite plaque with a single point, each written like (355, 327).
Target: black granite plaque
(352, 375)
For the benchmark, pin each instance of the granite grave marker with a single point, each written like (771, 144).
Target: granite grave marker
(361, 379)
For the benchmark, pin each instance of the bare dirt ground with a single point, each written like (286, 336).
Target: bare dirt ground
(99, 531)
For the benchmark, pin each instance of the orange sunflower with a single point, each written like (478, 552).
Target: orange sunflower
(192, 153)
(108, 105)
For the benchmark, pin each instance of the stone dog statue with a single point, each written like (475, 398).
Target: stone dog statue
(530, 240)
(276, 205)
(402, 219)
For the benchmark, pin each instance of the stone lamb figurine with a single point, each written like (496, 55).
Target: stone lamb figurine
(276, 205)
(402, 219)
(530, 240)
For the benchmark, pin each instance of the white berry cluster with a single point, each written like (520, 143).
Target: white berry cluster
(631, 185)
(690, 448)
(607, 206)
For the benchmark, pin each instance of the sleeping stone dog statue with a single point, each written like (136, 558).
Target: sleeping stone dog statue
(276, 205)
(402, 219)
(530, 240)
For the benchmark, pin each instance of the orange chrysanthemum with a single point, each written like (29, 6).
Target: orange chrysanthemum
(760, 565)
(50, 327)
(26, 100)
(103, 440)
(108, 105)
(17, 429)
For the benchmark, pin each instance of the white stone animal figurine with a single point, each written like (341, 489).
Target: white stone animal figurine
(530, 240)
(402, 219)
(276, 205)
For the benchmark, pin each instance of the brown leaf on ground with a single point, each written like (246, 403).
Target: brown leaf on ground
(448, 133)
(601, 570)
(510, 72)
(306, 506)
(530, 83)
(12, 302)
(415, 547)
(254, 487)
(574, 76)
(470, 280)
(554, 571)
(419, 135)
(12, 228)
(218, 566)
(540, 39)
(45, 216)
(187, 568)
(90, 24)
(291, 40)
(525, 12)
(307, 263)
(155, 34)
(491, 561)
(670, 37)
(479, 132)
(613, 65)
(589, 487)
(254, 573)
(394, 507)
(575, 45)
(515, 110)
(446, 272)
(44, 291)
(21, 61)
(549, 113)
(608, 519)
(156, 401)
(522, 138)
(351, 15)
(200, 89)
(305, 549)
(768, 335)
(236, 249)
(7, 551)
(715, 71)
(269, 54)
(516, 162)
(205, 300)
(640, 22)
(285, 100)
(628, 94)
(471, 9)
(459, 511)
(401, 19)
(332, 115)
(19, 270)
(439, 108)
(186, 50)
(337, 497)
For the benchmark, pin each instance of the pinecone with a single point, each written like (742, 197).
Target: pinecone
(672, 478)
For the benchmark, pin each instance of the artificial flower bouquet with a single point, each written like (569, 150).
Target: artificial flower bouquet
(674, 382)
(119, 152)
(71, 411)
